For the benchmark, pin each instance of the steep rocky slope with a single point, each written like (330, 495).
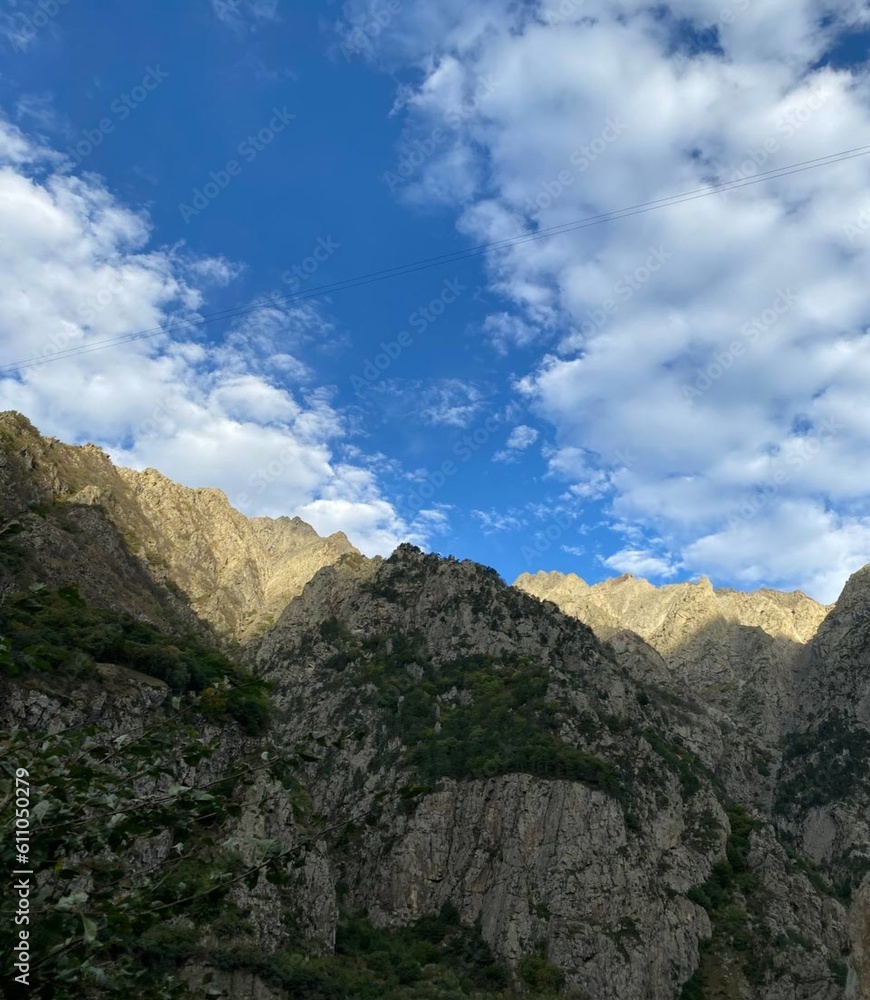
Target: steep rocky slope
(790, 677)
(735, 650)
(563, 798)
(823, 801)
(459, 789)
(135, 529)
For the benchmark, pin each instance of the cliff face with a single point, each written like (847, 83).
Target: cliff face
(735, 650)
(789, 677)
(236, 573)
(638, 794)
(586, 813)
(824, 794)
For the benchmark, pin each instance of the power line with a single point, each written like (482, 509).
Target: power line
(456, 256)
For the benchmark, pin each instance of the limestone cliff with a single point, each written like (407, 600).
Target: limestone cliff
(617, 792)
(236, 573)
(735, 650)
(605, 839)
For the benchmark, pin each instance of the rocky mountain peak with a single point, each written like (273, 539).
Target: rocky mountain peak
(237, 573)
(613, 791)
(738, 650)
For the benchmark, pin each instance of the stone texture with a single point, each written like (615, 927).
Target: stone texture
(145, 542)
(692, 695)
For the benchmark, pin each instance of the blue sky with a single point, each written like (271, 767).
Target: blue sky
(672, 394)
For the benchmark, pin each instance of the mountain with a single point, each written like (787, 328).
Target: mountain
(735, 650)
(416, 781)
(134, 530)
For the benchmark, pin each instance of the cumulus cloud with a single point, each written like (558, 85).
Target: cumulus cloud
(243, 413)
(640, 562)
(519, 439)
(522, 437)
(699, 353)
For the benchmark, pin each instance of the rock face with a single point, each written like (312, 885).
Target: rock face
(824, 795)
(135, 530)
(615, 869)
(834, 672)
(789, 678)
(642, 793)
(734, 650)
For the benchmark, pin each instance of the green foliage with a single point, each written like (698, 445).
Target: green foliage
(693, 989)
(685, 764)
(541, 975)
(331, 630)
(817, 880)
(105, 925)
(705, 830)
(475, 717)
(11, 552)
(839, 971)
(724, 896)
(56, 632)
(825, 765)
(434, 957)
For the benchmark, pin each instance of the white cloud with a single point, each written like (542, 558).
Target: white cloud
(492, 521)
(450, 402)
(652, 404)
(216, 270)
(795, 543)
(245, 13)
(16, 148)
(352, 503)
(520, 438)
(76, 270)
(640, 562)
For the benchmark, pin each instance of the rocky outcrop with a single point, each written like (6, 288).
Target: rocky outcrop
(789, 683)
(823, 799)
(139, 540)
(652, 793)
(734, 650)
(834, 672)
(123, 705)
(609, 872)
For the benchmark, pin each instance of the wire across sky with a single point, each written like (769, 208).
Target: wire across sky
(427, 263)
